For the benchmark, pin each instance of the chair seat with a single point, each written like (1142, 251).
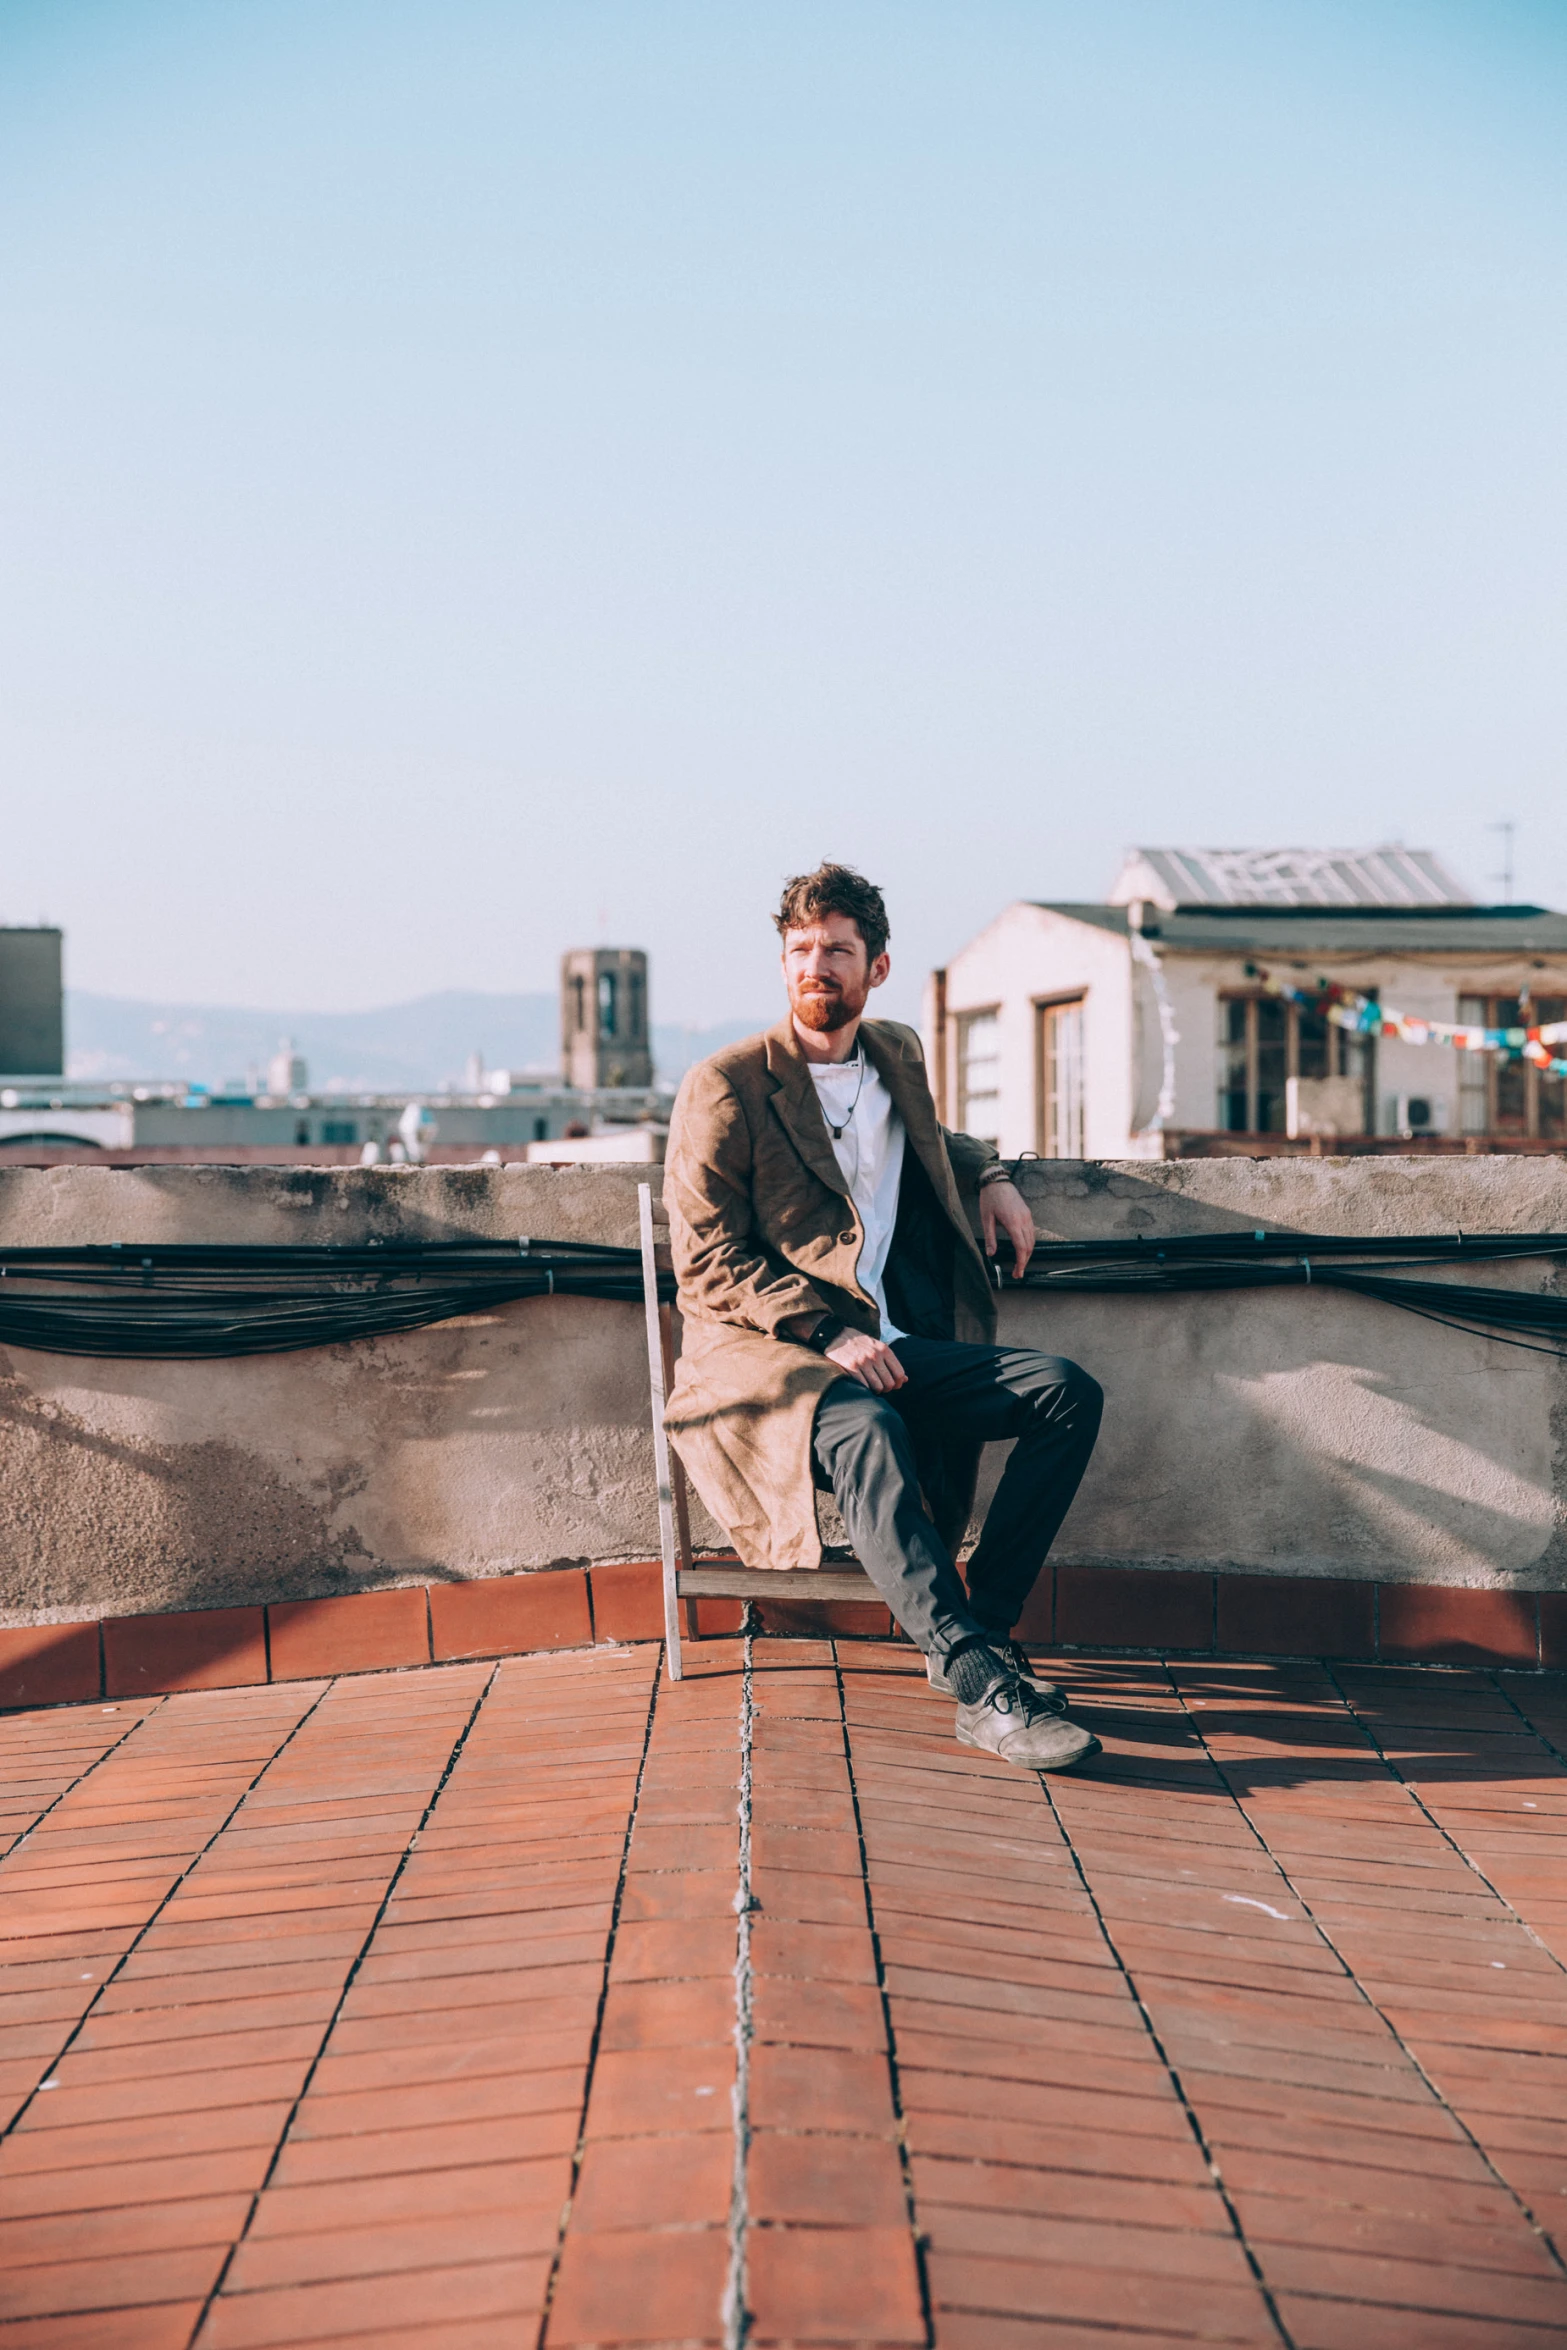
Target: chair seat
(774, 1583)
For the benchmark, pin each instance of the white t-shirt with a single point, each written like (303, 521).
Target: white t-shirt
(870, 1154)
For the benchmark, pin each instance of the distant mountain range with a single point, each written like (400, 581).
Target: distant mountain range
(415, 1048)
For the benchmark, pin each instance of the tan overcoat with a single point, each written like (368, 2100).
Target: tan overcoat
(763, 1229)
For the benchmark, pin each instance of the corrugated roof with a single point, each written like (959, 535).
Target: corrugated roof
(1338, 929)
(1386, 876)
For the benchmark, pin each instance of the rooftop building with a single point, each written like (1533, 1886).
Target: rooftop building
(1189, 1011)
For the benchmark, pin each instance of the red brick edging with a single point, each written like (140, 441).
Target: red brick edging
(1171, 1611)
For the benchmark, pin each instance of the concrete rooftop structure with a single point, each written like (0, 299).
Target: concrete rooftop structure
(1153, 1025)
(545, 2002)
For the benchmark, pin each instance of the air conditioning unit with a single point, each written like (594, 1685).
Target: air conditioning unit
(1418, 1113)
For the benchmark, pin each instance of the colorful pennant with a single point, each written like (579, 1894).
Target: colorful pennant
(1346, 1008)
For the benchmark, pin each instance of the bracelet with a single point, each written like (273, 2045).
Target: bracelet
(999, 1173)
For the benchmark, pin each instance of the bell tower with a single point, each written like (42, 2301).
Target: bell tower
(604, 1035)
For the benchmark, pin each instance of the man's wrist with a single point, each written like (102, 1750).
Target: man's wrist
(995, 1173)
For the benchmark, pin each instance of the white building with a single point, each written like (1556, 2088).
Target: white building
(1144, 1027)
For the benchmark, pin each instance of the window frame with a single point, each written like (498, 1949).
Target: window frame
(1045, 1008)
(1480, 1074)
(1342, 1043)
(963, 1022)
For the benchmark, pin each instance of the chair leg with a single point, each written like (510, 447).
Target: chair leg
(656, 1389)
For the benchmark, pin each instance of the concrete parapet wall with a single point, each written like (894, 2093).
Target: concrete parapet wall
(1288, 1434)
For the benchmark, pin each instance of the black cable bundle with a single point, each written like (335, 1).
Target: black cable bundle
(173, 1302)
(1297, 1260)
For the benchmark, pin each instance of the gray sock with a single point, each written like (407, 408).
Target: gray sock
(973, 1670)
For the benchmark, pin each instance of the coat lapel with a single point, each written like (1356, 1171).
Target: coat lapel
(795, 1102)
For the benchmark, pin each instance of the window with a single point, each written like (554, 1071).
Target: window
(541, 1130)
(1263, 1042)
(1060, 1061)
(979, 1075)
(1500, 1096)
(579, 992)
(339, 1130)
(608, 990)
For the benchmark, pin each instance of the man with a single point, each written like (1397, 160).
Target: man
(839, 1321)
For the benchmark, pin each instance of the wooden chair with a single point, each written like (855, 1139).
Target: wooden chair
(683, 1580)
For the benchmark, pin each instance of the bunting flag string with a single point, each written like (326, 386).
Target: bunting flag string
(1345, 1007)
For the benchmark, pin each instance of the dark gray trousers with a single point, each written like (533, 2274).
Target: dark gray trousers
(864, 1448)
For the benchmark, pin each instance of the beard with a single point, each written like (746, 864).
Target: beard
(825, 1008)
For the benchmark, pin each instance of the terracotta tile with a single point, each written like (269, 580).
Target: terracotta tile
(429, 2104)
(46, 2289)
(668, 2015)
(628, 2288)
(49, 1664)
(1553, 1636)
(478, 2232)
(818, 2015)
(541, 2185)
(638, 2092)
(714, 1619)
(1133, 1607)
(820, 2089)
(181, 2092)
(667, 1949)
(1108, 2297)
(506, 1613)
(360, 1632)
(1440, 1624)
(208, 1648)
(654, 1847)
(832, 2285)
(515, 2048)
(682, 2182)
(825, 2181)
(815, 1953)
(452, 2145)
(628, 1600)
(1070, 2193)
(139, 2227)
(372, 2305)
(691, 1893)
(809, 1895)
(102, 2186)
(168, 2327)
(1296, 1615)
(137, 2140)
(1037, 1621)
(815, 1619)
(824, 1850)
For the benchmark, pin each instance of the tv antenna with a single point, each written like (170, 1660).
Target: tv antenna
(1507, 829)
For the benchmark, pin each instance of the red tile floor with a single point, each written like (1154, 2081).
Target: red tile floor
(546, 2002)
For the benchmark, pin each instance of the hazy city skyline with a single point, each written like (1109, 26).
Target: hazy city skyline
(489, 479)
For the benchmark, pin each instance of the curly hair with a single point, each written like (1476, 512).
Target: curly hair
(836, 889)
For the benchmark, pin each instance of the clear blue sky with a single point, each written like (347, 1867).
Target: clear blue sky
(476, 477)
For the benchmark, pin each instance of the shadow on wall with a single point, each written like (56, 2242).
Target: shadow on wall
(1312, 1432)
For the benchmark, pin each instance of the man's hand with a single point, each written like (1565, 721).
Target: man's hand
(1003, 1205)
(870, 1360)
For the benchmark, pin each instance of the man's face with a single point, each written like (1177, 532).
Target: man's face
(828, 972)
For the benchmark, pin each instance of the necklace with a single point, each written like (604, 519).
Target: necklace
(837, 1131)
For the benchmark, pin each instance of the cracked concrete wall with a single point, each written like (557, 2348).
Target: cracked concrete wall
(1298, 1432)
